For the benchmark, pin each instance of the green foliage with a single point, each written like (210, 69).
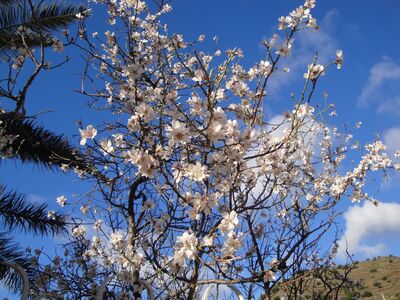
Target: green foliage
(350, 295)
(39, 23)
(15, 212)
(7, 2)
(377, 284)
(367, 294)
(26, 23)
(38, 145)
(11, 252)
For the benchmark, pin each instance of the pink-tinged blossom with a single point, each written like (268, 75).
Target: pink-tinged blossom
(303, 110)
(314, 71)
(269, 276)
(265, 67)
(229, 222)
(51, 214)
(185, 248)
(61, 200)
(339, 59)
(133, 71)
(57, 45)
(202, 204)
(233, 242)
(285, 48)
(133, 123)
(208, 241)
(196, 104)
(89, 133)
(107, 147)
(215, 131)
(79, 231)
(146, 112)
(145, 162)
(178, 133)
(117, 240)
(199, 76)
(196, 172)
(310, 3)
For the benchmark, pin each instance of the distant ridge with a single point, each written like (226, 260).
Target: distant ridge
(378, 275)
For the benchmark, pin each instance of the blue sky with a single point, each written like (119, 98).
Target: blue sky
(367, 89)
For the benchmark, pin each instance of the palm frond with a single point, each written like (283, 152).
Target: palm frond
(55, 16)
(10, 39)
(39, 25)
(10, 251)
(7, 2)
(38, 145)
(16, 212)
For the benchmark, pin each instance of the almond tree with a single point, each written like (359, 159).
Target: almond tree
(194, 185)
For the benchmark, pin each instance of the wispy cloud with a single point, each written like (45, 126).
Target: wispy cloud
(382, 87)
(390, 105)
(391, 137)
(366, 221)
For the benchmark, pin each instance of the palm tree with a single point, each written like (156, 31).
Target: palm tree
(35, 144)
(16, 213)
(42, 20)
(30, 142)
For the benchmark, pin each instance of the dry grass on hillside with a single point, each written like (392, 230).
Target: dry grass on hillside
(379, 276)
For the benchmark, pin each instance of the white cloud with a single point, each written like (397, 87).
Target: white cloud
(390, 105)
(391, 137)
(278, 122)
(382, 223)
(382, 86)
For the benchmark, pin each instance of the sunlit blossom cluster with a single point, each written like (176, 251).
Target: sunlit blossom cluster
(194, 181)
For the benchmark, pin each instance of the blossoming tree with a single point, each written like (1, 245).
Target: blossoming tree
(192, 183)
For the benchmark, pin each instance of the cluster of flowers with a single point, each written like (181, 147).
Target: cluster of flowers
(196, 181)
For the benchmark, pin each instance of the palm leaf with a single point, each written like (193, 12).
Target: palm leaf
(38, 145)
(55, 16)
(41, 24)
(16, 212)
(7, 2)
(11, 252)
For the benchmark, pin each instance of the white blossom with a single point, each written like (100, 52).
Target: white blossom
(314, 71)
(79, 231)
(89, 133)
(229, 222)
(61, 200)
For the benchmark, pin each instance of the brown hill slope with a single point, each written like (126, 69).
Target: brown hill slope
(379, 276)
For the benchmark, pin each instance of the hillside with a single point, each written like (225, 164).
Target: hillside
(379, 276)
